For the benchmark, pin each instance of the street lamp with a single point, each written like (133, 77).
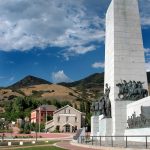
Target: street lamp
(36, 132)
(3, 131)
(39, 119)
(86, 129)
(46, 116)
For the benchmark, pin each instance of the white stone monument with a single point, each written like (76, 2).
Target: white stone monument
(124, 60)
(124, 55)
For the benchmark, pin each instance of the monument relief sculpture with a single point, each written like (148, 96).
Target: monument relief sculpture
(141, 121)
(131, 90)
(103, 105)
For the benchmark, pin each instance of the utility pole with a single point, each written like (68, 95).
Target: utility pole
(46, 117)
(36, 131)
(39, 119)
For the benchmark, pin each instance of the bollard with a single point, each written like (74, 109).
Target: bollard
(126, 141)
(9, 143)
(100, 141)
(112, 144)
(146, 142)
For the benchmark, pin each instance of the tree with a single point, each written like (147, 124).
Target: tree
(75, 106)
(82, 106)
(49, 117)
(27, 128)
(88, 120)
(88, 107)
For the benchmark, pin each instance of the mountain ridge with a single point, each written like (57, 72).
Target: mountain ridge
(96, 79)
(28, 80)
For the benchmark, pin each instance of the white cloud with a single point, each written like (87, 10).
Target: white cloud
(147, 51)
(147, 55)
(60, 76)
(98, 65)
(25, 24)
(145, 12)
(76, 50)
(147, 66)
(145, 21)
(68, 24)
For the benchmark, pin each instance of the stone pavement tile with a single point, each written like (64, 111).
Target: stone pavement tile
(68, 146)
(74, 146)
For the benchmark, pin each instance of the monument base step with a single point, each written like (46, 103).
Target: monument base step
(138, 134)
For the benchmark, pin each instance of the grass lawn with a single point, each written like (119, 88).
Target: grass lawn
(42, 148)
(27, 143)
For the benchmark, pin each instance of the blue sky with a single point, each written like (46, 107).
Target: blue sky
(58, 40)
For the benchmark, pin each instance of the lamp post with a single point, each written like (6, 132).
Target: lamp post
(3, 131)
(39, 119)
(36, 132)
(46, 117)
(86, 128)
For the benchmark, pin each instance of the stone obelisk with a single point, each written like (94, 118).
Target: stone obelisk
(124, 55)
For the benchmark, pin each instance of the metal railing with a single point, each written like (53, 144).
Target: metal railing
(117, 141)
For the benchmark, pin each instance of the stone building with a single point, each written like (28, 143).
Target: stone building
(66, 119)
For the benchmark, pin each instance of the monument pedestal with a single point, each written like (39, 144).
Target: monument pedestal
(94, 125)
(101, 126)
(105, 128)
(119, 117)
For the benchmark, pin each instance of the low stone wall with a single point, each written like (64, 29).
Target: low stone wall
(138, 132)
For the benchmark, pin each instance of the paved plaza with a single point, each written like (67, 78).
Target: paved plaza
(72, 146)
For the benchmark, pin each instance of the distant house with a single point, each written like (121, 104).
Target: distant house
(66, 119)
(39, 114)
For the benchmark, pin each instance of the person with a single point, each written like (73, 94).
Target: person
(3, 135)
(107, 90)
(140, 85)
(129, 123)
(125, 88)
(134, 85)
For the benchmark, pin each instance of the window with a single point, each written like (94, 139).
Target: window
(67, 128)
(65, 111)
(76, 128)
(67, 118)
(58, 119)
(57, 128)
(69, 111)
(75, 119)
